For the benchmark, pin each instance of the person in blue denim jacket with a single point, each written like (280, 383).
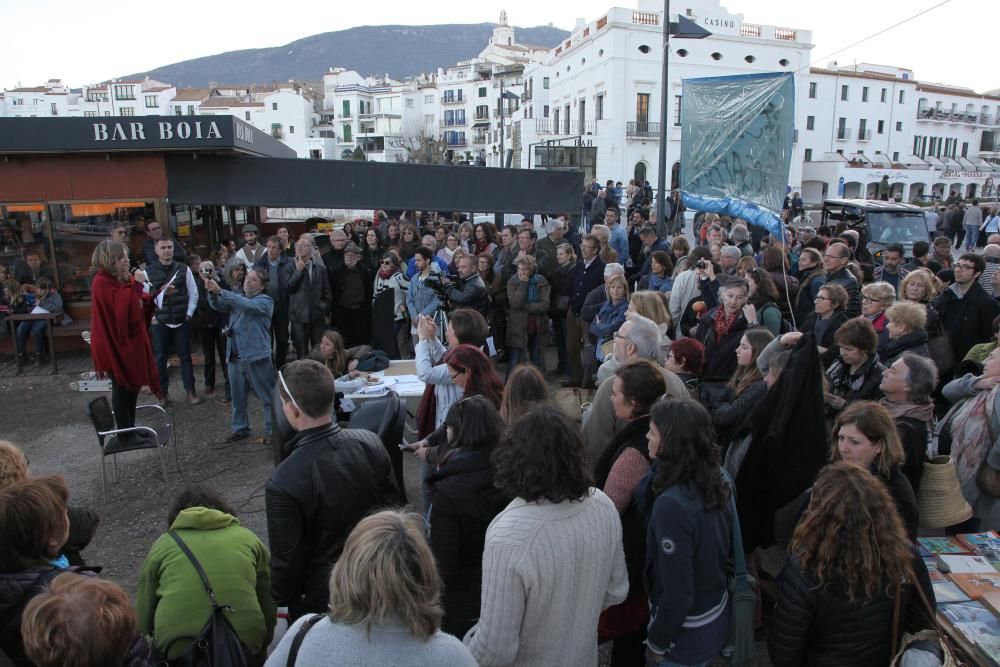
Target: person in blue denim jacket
(248, 353)
(612, 314)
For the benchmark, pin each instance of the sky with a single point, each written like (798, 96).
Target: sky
(89, 41)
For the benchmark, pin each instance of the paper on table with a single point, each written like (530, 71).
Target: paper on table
(403, 379)
(38, 310)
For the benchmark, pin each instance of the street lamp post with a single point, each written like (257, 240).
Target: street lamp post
(683, 29)
(661, 177)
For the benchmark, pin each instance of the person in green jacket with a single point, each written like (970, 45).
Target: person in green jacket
(172, 602)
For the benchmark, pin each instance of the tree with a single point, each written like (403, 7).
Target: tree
(421, 146)
(359, 155)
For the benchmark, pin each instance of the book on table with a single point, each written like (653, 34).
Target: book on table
(964, 564)
(986, 545)
(978, 584)
(979, 625)
(947, 593)
(941, 545)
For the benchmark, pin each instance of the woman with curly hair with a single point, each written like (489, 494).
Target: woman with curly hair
(849, 559)
(485, 239)
(553, 557)
(410, 240)
(689, 538)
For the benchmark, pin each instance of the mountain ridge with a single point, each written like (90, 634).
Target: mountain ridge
(397, 50)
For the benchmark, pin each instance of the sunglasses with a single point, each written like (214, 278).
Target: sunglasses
(284, 385)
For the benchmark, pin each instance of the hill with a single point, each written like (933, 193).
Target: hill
(397, 50)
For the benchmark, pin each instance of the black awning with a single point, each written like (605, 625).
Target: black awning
(276, 182)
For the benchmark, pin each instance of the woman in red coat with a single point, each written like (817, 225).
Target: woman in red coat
(119, 336)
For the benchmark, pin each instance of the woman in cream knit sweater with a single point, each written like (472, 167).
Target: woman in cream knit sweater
(553, 559)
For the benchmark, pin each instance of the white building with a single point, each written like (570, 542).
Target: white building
(857, 124)
(51, 100)
(595, 101)
(127, 97)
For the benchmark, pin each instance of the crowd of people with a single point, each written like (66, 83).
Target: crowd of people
(751, 393)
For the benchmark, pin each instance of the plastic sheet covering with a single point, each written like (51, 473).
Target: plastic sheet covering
(736, 141)
(736, 208)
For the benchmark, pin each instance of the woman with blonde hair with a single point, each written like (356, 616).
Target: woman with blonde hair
(875, 300)
(385, 604)
(745, 265)
(865, 434)
(920, 286)
(849, 560)
(905, 332)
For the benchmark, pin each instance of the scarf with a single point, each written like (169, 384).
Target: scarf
(656, 283)
(921, 411)
(482, 245)
(723, 323)
(385, 274)
(971, 438)
(533, 288)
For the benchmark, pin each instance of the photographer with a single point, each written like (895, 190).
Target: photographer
(248, 354)
(467, 290)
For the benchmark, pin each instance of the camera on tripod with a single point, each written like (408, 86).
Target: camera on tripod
(436, 282)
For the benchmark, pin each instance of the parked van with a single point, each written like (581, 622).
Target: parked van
(882, 222)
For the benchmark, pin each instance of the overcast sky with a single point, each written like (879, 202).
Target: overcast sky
(92, 40)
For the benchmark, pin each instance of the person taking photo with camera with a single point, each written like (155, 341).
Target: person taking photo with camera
(248, 353)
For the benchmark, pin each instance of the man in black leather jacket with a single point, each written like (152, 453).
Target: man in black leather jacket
(469, 291)
(329, 480)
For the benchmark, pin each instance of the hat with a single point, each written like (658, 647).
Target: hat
(940, 501)
(250, 228)
(352, 247)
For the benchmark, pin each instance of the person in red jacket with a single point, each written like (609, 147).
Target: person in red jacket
(119, 338)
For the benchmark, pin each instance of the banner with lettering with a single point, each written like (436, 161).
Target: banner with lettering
(736, 137)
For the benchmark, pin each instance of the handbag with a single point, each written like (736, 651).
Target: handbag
(217, 645)
(562, 303)
(918, 648)
(742, 595)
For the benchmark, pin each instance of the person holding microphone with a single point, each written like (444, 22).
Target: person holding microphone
(119, 338)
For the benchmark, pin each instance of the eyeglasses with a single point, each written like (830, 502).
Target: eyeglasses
(152, 229)
(455, 375)
(284, 386)
(868, 299)
(619, 334)
(822, 298)
(965, 267)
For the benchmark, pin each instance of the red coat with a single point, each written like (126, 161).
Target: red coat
(119, 333)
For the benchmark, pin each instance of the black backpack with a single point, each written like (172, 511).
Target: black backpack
(217, 645)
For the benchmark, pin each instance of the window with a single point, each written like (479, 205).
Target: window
(274, 106)
(53, 108)
(902, 96)
(291, 129)
(346, 109)
(599, 108)
(246, 115)
(810, 122)
(409, 103)
(809, 155)
(124, 92)
(895, 156)
(428, 99)
(555, 120)
(482, 91)
(545, 111)
(642, 107)
(178, 110)
(812, 90)
(482, 112)
(843, 93)
(347, 132)
(89, 114)
(899, 126)
(151, 102)
(429, 119)
(965, 149)
(190, 109)
(545, 82)
(716, 56)
(677, 110)
(916, 145)
(885, 91)
(864, 94)
(863, 129)
(127, 111)
(880, 128)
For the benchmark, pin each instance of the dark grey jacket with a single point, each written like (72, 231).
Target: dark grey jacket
(309, 299)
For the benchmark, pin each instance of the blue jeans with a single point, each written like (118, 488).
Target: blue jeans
(258, 377)
(34, 329)
(971, 236)
(180, 338)
(516, 354)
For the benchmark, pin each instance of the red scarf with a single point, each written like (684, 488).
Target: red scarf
(385, 274)
(723, 323)
(482, 245)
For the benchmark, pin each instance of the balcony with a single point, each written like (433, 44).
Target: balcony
(864, 135)
(642, 130)
(645, 18)
(844, 133)
(550, 126)
(939, 115)
(454, 122)
(485, 115)
(452, 100)
(453, 142)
